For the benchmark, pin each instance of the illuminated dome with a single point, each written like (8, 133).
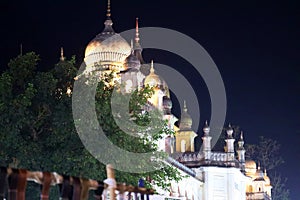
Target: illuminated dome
(108, 47)
(250, 167)
(152, 79)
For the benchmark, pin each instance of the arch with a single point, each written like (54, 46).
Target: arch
(183, 146)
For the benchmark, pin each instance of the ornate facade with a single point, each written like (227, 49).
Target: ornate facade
(210, 175)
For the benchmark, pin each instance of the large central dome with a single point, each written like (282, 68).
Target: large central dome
(109, 49)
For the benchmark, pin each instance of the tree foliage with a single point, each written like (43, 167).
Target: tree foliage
(37, 130)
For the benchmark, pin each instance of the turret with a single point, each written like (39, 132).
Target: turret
(206, 146)
(185, 135)
(230, 143)
(241, 151)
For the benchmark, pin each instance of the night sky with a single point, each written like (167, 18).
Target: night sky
(255, 45)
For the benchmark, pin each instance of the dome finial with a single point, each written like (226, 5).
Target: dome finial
(108, 14)
(229, 131)
(62, 58)
(206, 129)
(184, 106)
(152, 67)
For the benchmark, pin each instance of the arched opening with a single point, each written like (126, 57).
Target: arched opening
(183, 146)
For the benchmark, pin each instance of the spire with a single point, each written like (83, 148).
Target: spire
(137, 45)
(137, 34)
(62, 58)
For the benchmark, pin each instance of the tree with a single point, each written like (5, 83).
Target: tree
(267, 153)
(37, 130)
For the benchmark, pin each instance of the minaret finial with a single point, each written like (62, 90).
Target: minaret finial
(229, 131)
(242, 137)
(184, 106)
(206, 129)
(62, 58)
(108, 14)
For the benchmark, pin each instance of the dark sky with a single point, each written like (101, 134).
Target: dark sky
(255, 45)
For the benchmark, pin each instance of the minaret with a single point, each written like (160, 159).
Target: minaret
(137, 46)
(206, 145)
(185, 135)
(230, 143)
(62, 58)
(241, 152)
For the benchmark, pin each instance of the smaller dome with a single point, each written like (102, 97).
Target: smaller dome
(132, 62)
(250, 164)
(152, 79)
(250, 167)
(259, 173)
(186, 120)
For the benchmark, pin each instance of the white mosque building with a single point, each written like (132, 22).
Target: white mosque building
(211, 175)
